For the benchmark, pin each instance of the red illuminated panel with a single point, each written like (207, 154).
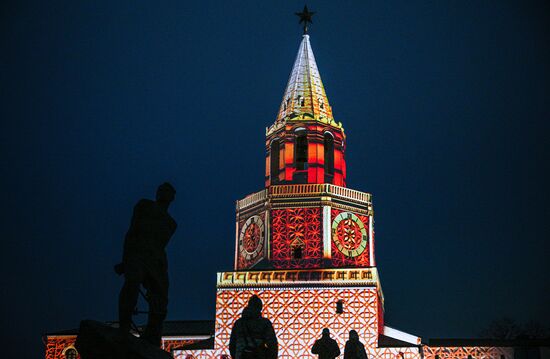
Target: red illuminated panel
(55, 346)
(339, 259)
(344, 172)
(293, 227)
(339, 168)
(288, 160)
(267, 171)
(467, 352)
(316, 160)
(380, 317)
(171, 344)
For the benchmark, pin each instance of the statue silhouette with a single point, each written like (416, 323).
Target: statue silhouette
(326, 347)
(253, 336)
(354, 348)
(144, 262)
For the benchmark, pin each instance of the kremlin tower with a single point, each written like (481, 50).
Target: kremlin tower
(305, 243)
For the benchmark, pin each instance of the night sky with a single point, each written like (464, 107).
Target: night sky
(446, 105)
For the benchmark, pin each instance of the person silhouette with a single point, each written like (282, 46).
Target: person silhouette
(354, 348)
(144, 262)
(253, 336)
(326, 347)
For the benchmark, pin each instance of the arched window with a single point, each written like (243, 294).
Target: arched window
(329, 153)
(297, 249)
(340, 307)
(274, 163)
(70, 353)
(297, 252)
(301, 150)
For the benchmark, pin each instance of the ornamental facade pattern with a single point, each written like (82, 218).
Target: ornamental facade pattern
(299, 315)
(297, 229)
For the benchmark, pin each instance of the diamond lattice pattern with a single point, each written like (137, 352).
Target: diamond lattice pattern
(299, 315)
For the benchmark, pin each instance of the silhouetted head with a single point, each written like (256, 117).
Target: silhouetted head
(326, 332)
(254, 308)
(166, 193)
(353, 335)
(255, 303)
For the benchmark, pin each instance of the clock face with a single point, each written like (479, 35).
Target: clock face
(251, 238)
(349, 234)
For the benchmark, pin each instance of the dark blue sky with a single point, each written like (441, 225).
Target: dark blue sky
(446, 105)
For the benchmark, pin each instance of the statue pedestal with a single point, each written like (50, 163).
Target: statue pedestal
(97, 340)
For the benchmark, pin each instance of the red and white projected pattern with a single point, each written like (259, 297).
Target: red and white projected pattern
(296, 227)
(466, 352)
(299, 315)
(56, 346)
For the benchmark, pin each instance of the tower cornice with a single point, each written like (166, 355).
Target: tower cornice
(305, 117)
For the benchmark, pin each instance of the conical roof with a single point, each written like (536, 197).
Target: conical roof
(305, 94)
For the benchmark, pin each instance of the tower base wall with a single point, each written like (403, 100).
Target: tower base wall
(299, 314)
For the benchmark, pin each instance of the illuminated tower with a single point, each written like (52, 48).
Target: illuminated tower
(305, 243)
(305, 217)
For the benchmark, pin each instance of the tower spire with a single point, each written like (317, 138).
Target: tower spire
(305, 144)
(305, 94)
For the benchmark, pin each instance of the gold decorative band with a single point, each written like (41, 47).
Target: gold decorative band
(310, 277)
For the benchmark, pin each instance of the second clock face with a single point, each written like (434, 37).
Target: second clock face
(349, 234)
(251, 238)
